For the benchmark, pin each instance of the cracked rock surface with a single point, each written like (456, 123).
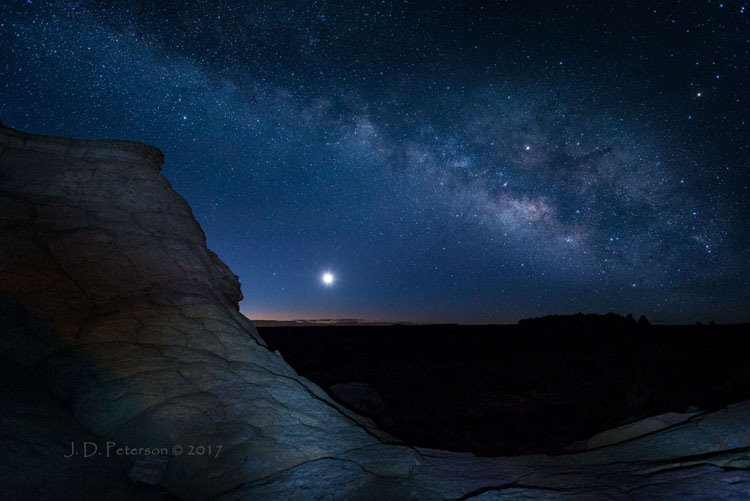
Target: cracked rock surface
(119, 325)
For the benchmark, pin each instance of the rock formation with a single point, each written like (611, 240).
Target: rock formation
(118, 326)
(130, 323)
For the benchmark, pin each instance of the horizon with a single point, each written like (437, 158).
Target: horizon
(354, 322)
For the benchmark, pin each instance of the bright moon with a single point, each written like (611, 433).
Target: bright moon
(328, 278)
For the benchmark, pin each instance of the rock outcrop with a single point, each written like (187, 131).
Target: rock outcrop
(120, 327)
(130, 324)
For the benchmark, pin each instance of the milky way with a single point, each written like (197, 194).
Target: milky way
(466, 162)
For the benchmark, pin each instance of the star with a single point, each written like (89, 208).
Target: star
(327, 278)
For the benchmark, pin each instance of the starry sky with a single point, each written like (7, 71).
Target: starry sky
(458, 161)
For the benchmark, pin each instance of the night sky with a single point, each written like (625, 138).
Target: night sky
(444, 161)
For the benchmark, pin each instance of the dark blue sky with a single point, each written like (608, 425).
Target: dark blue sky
(446, 161)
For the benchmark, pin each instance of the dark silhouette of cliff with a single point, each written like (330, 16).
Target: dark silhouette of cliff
(535, 387)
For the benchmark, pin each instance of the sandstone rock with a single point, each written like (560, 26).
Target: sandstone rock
(638, 429)
(129, 320)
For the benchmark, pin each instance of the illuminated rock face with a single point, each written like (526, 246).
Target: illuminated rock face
(137, 327)
(119, 325)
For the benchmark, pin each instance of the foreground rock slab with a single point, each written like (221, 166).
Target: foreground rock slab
(120, 326)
